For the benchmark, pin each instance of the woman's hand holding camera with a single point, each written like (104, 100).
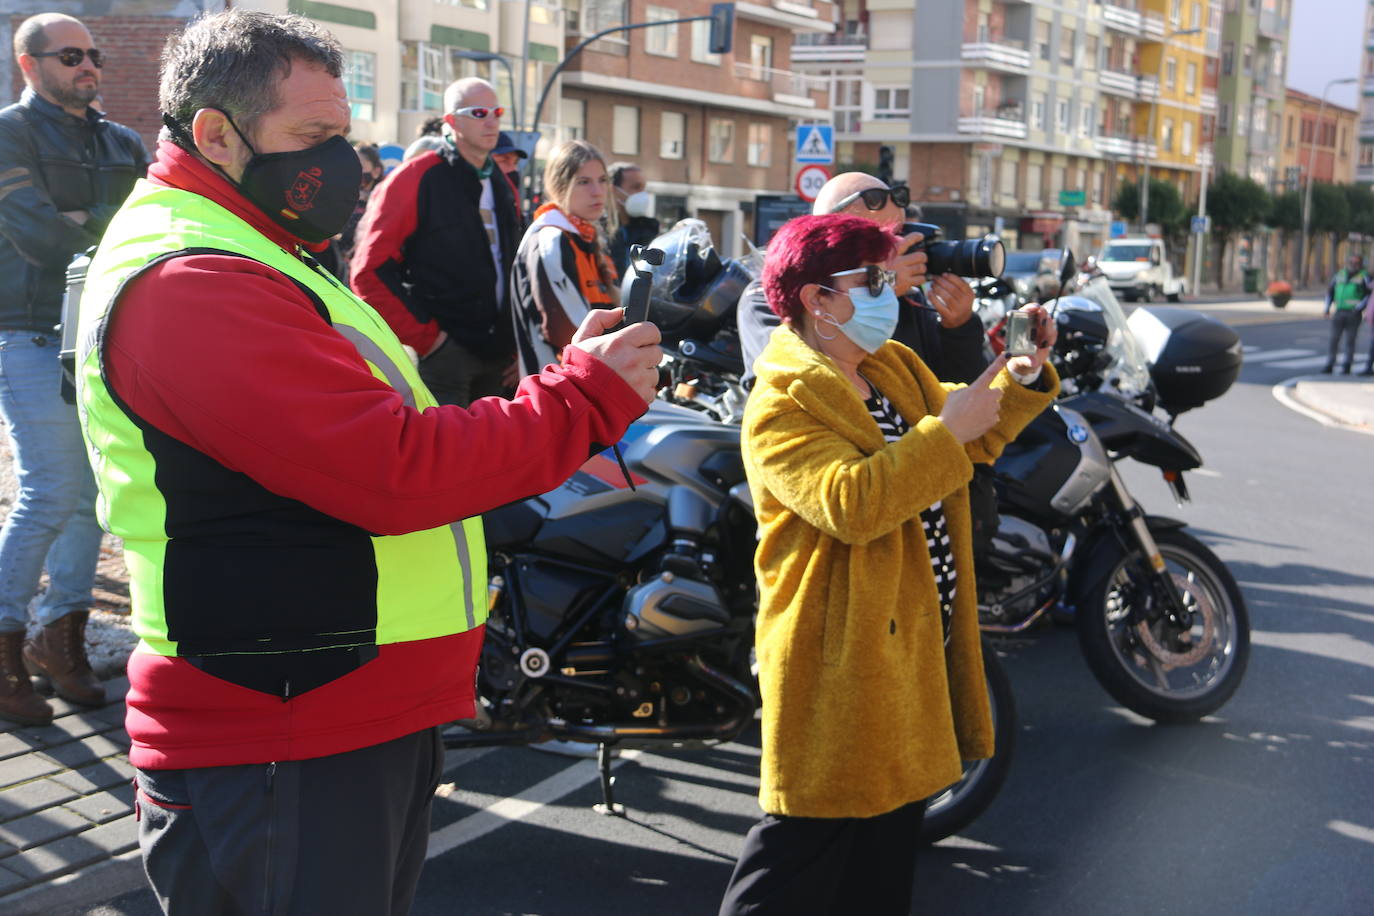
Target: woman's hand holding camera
(1045, 333)
(970, 412)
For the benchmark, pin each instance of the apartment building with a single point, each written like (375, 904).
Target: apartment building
(712, 132)
(1022, 117)
(1318, 139)
(1250, 90)
(1364, 165)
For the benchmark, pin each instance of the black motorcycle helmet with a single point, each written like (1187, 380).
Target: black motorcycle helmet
(694, 292)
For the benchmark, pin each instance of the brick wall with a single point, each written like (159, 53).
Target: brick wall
(128, 83)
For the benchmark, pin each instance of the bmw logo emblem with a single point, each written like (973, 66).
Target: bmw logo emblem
(1078, 433)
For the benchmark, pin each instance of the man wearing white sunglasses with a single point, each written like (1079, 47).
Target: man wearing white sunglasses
(435, 249)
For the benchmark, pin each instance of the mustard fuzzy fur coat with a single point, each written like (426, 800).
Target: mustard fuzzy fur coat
(864, 707)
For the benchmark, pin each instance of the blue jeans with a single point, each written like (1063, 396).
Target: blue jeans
(53, 521)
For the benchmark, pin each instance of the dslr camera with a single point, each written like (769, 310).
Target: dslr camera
(971, 258)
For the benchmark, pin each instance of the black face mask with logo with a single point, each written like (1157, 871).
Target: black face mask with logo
(310, 193)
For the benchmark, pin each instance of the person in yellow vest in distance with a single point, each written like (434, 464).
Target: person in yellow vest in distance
(1346, 299)
(300, 518)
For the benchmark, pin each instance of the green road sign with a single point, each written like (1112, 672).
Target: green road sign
(1073, 198)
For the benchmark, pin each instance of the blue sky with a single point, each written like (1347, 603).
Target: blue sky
(1325, 41)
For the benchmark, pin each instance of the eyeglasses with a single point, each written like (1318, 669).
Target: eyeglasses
(71, 57)
(480, 112)
(876, 278)
(876, 198)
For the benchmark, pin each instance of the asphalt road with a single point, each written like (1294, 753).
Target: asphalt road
(1266, 807)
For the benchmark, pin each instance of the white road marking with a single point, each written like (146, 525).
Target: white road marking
(517, 807)
(1310, 362)
(1283, 393)
(1264, 356)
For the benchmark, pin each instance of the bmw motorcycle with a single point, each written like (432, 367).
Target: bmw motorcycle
(1160, 619)
(622, 603)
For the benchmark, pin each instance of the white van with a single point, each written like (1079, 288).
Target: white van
(1137, 268)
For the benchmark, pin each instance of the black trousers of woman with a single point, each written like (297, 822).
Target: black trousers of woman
(812, 865)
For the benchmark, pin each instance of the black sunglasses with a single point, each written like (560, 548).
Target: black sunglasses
(71, 57)
(875, 278)
(875, 198)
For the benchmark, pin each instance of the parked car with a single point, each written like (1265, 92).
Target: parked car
(1137, 267)
(1034, 275)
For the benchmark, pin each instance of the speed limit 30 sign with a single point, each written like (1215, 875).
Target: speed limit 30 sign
(810, 180)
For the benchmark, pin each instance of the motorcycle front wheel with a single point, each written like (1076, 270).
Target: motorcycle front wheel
(959, 805)
(1144, 662)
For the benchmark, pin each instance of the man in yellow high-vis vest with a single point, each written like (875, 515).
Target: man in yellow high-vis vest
(300, 519)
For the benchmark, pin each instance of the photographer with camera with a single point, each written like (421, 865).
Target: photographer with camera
(936, 326)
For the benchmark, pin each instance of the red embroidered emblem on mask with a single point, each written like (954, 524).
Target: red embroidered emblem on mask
(303, 190)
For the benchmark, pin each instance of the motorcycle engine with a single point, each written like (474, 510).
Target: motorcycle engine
(1014, 574)
(671, 605)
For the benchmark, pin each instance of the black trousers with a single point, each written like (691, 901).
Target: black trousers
(339, 834)
(810, 865)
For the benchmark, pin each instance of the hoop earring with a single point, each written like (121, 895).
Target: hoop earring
(817, 326)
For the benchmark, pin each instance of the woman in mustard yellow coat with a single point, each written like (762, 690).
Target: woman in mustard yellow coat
(869, 660)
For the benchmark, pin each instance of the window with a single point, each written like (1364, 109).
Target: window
(1061, 115)
(1242, 121)
(979, 97)
(1056, 185)
(1195, 19)
(1042, 39)
(846, 102)
(1090, 52)
(1066, 37)
(760, 145)
(1175, 11)
(625, 129)
(1086, 120)
(760, 56)
(1034, 180)
(1366, 155)
(1289, 141)
(1167, 140)
(701, 44)
(434, 77)
(360, 82)
(596, 15)
(1099, 183)
(1186, 144)
(1224, 118)
(1247, 64)
(661, 40)
(672, 135)
(891, 103)
(574, 112)
(1008, 180)
(1170, 74)
(1190, 78)
(1228, 58)
(721, 140)
(1037, 120)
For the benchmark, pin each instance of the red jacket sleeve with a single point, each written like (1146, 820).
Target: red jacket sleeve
(227, 356)
(379, 250)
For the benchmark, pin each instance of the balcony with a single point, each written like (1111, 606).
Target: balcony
(1366, 128)
(1213, 46)
(800, 17)
(1269, 85)
(1272, 26)
(1122, 19)
(1124, 147)
(837, 47)
(985, 125)
(1128, 84)
(1005, 54)
(1209, 101)
(788, 87)
(1152, 27)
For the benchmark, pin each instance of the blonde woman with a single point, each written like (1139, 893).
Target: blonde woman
(562, 269)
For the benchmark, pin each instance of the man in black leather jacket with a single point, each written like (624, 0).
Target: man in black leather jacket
(64, 170)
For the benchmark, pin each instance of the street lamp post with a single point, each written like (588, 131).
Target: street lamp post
(1150, 136)
(1311, 157)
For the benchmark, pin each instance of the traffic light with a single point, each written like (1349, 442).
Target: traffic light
(885, 164)
(722, 34)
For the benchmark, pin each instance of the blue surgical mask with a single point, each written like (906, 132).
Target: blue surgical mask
(874, 319)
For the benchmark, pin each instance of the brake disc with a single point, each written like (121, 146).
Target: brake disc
(1195, 599)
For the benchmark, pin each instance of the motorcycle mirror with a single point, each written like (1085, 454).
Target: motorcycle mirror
(1068, 266)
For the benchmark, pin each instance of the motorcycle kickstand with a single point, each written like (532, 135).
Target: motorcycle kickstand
(607, 806)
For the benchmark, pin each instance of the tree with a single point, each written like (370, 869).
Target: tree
(1330, 214)
(1236, 204)
(1166, 204)
(1285, 215)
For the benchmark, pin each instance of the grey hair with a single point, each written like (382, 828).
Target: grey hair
(31, 37)
(618, 170)
(234, 60)
(563, 166)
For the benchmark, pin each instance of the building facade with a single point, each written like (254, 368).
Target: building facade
(1320, 140)
(1364, 164)
(1251, 88)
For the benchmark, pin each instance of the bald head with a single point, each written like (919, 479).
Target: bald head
(31, 36)
(845, 185)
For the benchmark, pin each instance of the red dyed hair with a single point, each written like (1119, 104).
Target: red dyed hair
(809, 249)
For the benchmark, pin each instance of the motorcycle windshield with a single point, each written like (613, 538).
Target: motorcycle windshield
(1129, 371)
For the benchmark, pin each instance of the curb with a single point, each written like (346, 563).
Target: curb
(72, 893)
(1285, 393)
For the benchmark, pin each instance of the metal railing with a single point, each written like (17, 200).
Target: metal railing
(1209, 101)
(830, 39)
(783, 82)
(985, 125)
(1009, 53)
(1128, 84)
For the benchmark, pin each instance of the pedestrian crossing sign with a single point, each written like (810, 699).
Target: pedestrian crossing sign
(816, 143)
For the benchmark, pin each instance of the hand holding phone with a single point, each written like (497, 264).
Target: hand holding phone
(1021, 334)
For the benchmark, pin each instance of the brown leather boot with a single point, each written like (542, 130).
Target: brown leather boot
(19, 702)
(59, 651)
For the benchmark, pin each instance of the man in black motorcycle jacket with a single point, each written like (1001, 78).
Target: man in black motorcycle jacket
(64, 171)
(939, 328)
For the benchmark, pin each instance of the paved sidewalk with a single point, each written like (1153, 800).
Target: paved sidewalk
(66, 807)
